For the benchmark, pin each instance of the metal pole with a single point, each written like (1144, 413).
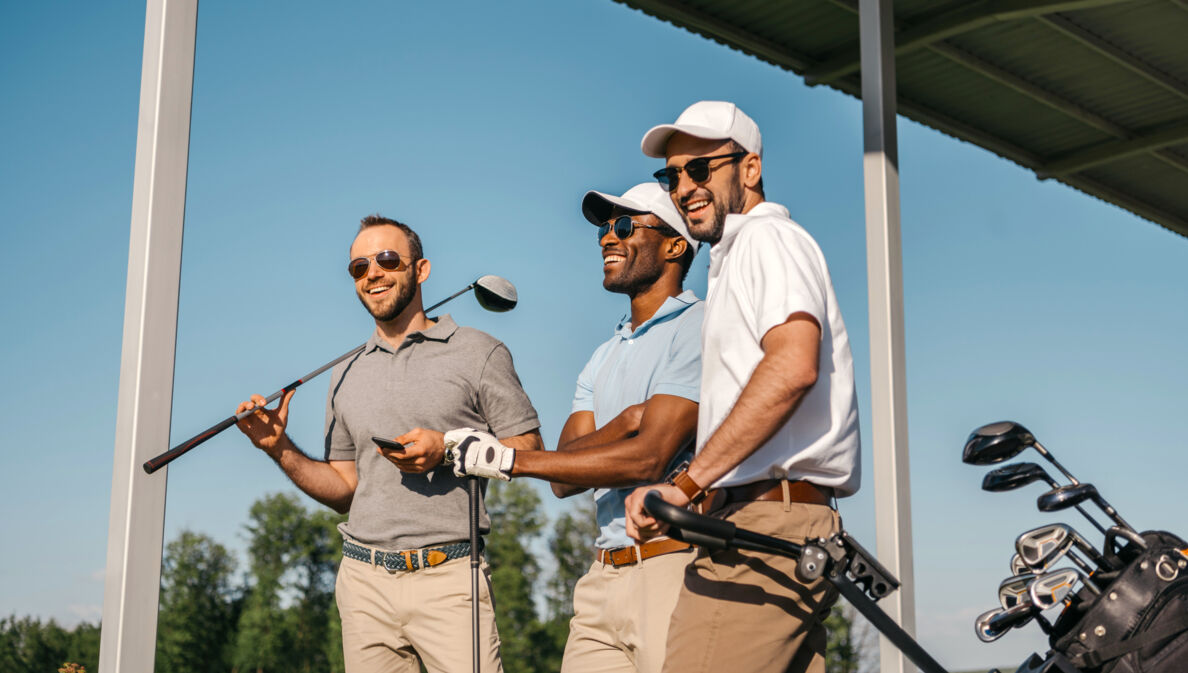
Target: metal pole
(884, 264)
(137, 515)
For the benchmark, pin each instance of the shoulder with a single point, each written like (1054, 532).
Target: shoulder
(473, 340)
(773, 230)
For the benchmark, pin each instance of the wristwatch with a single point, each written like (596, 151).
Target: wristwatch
(680, 478)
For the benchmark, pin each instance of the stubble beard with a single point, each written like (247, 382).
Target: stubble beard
(387, 312)
(711, 232)
(639, 277)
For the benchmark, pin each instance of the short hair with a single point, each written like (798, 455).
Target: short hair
(686, 260)
(736, 147)
(414, 241)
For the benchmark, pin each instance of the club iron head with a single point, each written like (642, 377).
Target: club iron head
(1039, 548)
(1013, 590)
(1015, 475)
(991, 625)
(1051, 588)
(996, 442)
(495, 293)
(1018, 567)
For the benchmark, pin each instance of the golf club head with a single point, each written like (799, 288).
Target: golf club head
(996, 442)
(495, 293)
(990, 625)
(1051, 588)
(1015, 475)
(1013, 590)
(1040, 547)
(1063, 497)
(1018, 567)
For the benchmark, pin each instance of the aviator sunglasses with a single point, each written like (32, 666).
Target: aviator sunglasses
(389, 260)
(623, 227)
(697, 169)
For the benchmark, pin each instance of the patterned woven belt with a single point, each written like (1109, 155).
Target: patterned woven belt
(406, 559)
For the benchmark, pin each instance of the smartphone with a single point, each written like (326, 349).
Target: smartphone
(388, 444)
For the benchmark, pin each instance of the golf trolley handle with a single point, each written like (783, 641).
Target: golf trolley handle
(717, 534)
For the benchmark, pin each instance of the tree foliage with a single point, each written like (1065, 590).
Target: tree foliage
(198, 606)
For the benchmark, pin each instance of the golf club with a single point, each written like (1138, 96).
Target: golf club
(1052, 588)
(492, 292)
(996, 442)
(1018, 475)
(1013, 591)
(1063, 497)
(1042, 547)
(1018, 567)
(992, 624)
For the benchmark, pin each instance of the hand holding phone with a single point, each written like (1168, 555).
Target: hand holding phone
(388, 444)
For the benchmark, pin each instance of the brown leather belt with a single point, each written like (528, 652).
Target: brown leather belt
(768, 490)
(625, 556)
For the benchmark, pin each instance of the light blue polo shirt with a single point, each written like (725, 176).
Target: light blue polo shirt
(660, 357)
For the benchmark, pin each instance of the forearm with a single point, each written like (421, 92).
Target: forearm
(620, 464)
(315, 478)
(767, 401)
(616, 430)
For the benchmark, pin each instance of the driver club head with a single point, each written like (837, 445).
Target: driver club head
(495, 293)
(996, 442)
(1013, 476)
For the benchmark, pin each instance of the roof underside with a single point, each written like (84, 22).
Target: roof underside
(1093, 93)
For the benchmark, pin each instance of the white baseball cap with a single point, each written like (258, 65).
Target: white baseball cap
(648, 197)
(711, 119)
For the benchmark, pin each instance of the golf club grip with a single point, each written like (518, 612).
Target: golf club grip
(153, 464)
(686, 520)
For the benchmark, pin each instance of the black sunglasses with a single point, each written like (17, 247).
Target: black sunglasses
(697, 169)
(389, 260)
(623, 227)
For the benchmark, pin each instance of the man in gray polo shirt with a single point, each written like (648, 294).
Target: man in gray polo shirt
(403, 585)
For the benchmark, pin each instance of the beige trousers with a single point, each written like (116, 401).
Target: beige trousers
(744, 611)
(390, 620)
(620, 620)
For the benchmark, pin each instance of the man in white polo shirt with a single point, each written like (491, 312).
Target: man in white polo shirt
(777, 428)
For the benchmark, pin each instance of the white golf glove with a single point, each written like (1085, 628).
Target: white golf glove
(478, 454)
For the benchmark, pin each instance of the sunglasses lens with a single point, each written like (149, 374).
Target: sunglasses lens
(698, 170)
(602, 230)
(667, 177)
(389, 260)
(358, 267)
(623, 227)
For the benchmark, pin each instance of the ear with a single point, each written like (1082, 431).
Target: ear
(675, 248)
(751, 169)
(423, 267)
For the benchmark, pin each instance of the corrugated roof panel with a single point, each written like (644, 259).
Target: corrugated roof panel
(1032, 90)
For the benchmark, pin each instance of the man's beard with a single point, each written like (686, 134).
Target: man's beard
(636, 279)
(711, 232)
(388, 312)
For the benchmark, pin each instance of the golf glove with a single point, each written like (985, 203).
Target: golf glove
(478, 454)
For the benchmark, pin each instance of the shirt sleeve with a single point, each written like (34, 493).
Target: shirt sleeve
(583, 394)
(680, 374)
(502, 400)
(783, 275)
(338, 442)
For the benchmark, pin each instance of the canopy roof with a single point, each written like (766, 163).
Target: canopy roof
(1093, 93)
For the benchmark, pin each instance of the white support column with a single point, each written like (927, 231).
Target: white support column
(136, 521)
(884, 265)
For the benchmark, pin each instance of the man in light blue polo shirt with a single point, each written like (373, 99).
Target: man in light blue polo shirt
(634, 417)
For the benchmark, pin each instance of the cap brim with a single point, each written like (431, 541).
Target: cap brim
(655, 141)
(597, 206)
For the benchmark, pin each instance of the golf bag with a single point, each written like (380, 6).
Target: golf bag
(1139, 623)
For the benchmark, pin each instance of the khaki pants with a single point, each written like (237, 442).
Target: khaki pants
(392, 619)
(620, 620)
(743, 611)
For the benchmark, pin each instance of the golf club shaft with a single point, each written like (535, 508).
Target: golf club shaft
(154, 464)
(1052, 459)
(472, 488)
(157, 462)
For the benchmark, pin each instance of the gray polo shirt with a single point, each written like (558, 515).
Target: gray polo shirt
(442, 378)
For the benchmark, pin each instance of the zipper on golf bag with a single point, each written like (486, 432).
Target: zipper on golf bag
(1139, 624)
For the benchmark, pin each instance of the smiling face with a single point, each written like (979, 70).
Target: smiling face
(386, 294)
(634, 264)
(704, 206)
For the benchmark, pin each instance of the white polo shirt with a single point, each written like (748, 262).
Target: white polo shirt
(765, 268)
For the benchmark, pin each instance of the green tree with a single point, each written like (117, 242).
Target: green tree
(571, 543)
(852, 645)
(196, 620)
(28, 645)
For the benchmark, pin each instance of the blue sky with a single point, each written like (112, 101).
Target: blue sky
(482, 124)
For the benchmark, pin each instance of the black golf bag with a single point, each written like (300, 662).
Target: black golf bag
(1139, 622)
